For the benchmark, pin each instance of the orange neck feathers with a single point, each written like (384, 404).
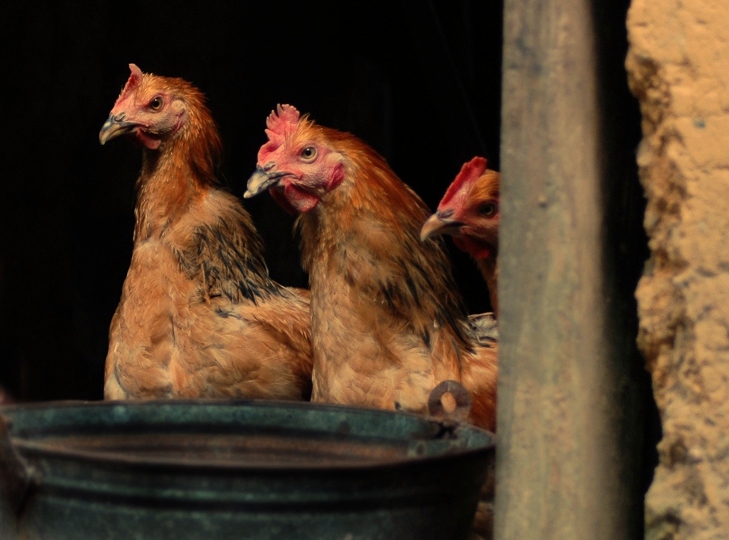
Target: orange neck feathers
(184, 166)
(369, 228)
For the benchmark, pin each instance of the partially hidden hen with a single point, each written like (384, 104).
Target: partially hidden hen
(469, 212)
(388, 322)
(199, 316)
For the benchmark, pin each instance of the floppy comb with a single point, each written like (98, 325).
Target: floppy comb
(133, 82)
(470, 172)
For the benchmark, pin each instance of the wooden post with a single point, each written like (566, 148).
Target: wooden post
(569, 436)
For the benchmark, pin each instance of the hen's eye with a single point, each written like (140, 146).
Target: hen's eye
(308, 153)
(487, 209)
(156, 103)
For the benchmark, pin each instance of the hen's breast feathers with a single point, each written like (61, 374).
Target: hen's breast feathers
(200, 317)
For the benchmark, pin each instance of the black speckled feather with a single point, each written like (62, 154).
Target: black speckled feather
(227, 262)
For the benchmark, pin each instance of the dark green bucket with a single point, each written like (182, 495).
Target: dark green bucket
(218, 470)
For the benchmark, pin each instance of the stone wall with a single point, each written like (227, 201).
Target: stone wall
(678, 68)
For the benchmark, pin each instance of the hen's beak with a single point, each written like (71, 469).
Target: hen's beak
(115, 126)
(439, 223)
(261, 180)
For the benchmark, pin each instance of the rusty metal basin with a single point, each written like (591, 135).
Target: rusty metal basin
(219, 470)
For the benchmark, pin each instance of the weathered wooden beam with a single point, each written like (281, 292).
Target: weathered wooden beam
(568, 442)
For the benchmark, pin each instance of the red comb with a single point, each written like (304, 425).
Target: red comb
(281, 122)
(470, 172)
(133, 82)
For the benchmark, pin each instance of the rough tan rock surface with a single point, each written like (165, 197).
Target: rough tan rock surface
(678, 67)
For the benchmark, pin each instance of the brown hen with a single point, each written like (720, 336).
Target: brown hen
(388, 323)
(199, 316)
(469, 211)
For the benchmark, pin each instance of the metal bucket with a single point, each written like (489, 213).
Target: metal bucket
(218, 470)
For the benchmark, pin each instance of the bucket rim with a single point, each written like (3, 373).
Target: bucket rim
(28, 447)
